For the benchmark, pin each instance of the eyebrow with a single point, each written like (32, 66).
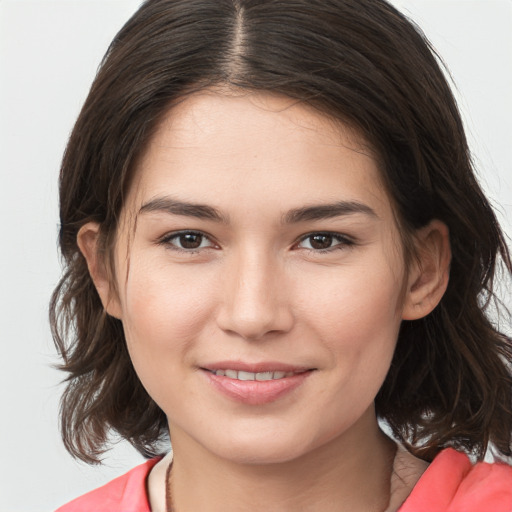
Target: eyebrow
(175, 207)
(327, 211)
(296, 215)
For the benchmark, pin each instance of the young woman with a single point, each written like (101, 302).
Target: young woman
(274, 240)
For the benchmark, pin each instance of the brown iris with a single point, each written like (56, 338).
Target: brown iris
(190, 240)
(320, 241)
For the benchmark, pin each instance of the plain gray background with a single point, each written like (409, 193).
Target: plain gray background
(49, 52)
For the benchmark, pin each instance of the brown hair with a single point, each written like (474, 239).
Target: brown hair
(360, 61)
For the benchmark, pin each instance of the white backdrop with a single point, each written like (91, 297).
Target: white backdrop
(49, 52)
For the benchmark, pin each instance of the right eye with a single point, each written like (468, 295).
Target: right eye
(187, 241)
(323, 242)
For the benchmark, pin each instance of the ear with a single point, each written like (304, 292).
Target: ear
(429, 272)
(87, 240)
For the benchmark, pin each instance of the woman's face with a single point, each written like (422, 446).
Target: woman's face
(258, 242)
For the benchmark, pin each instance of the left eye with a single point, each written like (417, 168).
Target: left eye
(188, 240)
(323, 241)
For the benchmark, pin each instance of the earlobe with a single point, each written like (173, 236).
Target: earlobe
(430, 271)
(87, 240)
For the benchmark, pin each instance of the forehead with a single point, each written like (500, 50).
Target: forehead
(214, 146)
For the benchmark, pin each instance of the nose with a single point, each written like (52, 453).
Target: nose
(254, 303)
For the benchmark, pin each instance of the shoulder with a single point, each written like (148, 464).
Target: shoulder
(126, 493)
(453, 484)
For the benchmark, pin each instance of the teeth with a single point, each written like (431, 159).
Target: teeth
(264, 376)
(260, 376)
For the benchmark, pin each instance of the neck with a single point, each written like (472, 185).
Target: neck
(351, 472)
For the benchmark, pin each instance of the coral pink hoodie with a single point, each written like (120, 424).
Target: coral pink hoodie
(450, 484)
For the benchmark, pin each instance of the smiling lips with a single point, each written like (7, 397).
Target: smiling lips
(255, 387)
(259, 376)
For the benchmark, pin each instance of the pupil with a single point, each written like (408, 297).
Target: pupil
(190, 241)
(321, 241)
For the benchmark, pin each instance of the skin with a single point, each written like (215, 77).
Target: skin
(260, 288)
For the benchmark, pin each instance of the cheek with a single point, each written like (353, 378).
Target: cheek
(360, 295)
(164, 313)
(355, 311)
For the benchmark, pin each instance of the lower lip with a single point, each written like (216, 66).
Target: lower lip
(254, 392)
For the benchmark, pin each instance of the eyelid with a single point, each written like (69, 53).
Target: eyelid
(173, 235)
(343, 239)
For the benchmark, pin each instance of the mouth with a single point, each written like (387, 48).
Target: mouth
(259, 376)
(255, 384)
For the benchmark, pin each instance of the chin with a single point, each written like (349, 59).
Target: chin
(264, 454)
(260, 448)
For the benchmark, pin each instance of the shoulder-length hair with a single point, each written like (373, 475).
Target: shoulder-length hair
(361, 62)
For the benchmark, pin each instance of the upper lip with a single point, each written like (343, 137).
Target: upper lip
(267, 366)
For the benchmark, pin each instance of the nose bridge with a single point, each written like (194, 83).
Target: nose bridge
(255, 299)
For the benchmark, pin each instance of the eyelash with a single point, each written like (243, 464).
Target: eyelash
(167, 240)
(343, 241)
